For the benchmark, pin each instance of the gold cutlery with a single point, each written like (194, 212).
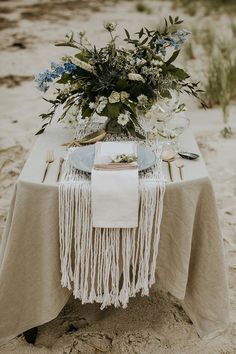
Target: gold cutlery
(168, 156)
(179, 164)
(49, 159)
(60, 168)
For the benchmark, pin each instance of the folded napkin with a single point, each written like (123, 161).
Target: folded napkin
(114, 187)
(115, 166)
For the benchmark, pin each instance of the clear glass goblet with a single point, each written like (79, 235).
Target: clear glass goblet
(147, 121)
(165, 108)
(171, 130)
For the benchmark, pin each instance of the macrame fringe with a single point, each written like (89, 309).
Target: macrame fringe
(108, 266)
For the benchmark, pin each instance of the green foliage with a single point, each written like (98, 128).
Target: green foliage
(207, 38)
(189, 52)
(191, 7)
(227, 132)
(233, 28)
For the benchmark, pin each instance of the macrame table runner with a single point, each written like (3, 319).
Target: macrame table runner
(108, 265)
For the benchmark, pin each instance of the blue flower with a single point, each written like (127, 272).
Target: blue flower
(160, 42)
(70, 67)
(59, 71)
(44, 78)
(172, 42)
(182, 36)
(53, 65)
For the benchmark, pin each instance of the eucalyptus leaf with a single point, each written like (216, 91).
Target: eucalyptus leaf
(113, 109)
(40, 131)
(66, 44)
(173, 57)
(86, 111)
(127, 33)
(178, 73)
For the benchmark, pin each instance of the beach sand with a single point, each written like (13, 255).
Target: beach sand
(154, 324)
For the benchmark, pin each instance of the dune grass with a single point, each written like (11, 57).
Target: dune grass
(220, 85)
(189, 51)
(209, 6)
(217, 50)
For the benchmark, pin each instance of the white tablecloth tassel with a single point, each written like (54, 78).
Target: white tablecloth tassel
(108, 265)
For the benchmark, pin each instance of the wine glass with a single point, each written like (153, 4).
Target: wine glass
(166, 107)
(147, 121)
(172, 129)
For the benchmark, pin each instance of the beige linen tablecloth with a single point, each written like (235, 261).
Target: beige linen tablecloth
(190, 261)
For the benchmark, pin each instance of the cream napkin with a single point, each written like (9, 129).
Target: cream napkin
(114, 188)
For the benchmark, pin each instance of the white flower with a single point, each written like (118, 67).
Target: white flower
(110, 26)
(82, 64)
(101, 107)
(154, 62)
(102, 104)
(91, 105)
(123, 118)
(131, 61)
(140, 62)
(124, 96)
(102, 98)
(114, 97)
(135, 77)
(142, 99)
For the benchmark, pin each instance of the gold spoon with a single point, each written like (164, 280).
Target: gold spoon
(168, 156)
(180, 164)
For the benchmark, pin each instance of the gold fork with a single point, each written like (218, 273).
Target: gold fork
(49, 159)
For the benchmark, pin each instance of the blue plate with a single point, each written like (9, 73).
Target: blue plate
(83, 158)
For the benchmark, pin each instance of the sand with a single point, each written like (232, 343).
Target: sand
(154, 324)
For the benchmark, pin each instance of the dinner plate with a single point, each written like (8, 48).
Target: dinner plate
(83, 158)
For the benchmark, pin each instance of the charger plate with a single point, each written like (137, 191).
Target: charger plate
(83, 158)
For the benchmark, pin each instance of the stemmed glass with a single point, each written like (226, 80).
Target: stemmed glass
(172, 129)
(166, 107)
(147, 121)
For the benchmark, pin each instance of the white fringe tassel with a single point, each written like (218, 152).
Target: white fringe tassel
(108, 266)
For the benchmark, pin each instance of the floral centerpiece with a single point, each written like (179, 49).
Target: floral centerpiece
(118, 82)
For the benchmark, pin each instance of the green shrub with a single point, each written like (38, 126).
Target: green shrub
(207, 38)
(188, 51)
(191, 6)
(141, 7)
(220, 86)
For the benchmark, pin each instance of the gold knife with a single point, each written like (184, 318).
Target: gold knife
(60, 168)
